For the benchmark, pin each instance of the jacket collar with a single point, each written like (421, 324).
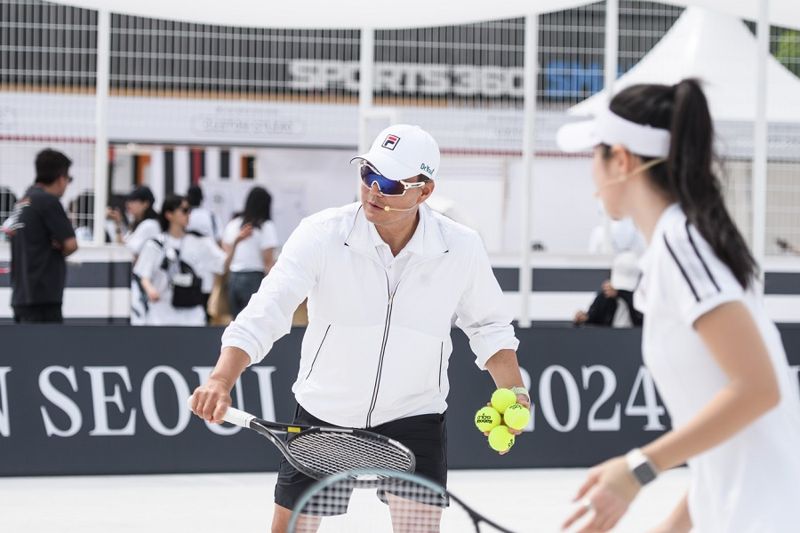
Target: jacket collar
(433, 244)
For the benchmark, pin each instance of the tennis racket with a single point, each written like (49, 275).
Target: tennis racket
(318, 451)
(400, 502)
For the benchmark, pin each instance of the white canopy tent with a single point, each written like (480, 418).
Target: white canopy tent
(326, 14)
(719, 50)
(410, 13)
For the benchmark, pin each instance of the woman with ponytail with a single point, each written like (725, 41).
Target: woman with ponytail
(716, 358)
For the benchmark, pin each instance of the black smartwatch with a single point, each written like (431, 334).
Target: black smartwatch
(640, 466)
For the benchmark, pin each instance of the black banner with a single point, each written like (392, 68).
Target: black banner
(111, 400)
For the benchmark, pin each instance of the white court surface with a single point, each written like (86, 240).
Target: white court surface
(522, 500)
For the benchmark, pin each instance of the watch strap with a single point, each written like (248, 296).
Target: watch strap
(640, 466)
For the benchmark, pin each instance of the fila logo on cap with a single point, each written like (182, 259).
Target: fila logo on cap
(390, 142)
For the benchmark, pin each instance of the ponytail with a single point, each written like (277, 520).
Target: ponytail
(688, 175)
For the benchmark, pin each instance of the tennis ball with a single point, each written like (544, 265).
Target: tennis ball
(487, 418)
(500, 439)
(502, 398)
(516, 416)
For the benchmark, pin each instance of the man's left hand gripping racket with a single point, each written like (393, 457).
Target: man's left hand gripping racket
(319, 451)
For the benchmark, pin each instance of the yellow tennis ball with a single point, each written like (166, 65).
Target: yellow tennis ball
(487, 418)
(502, 398)
(516, 416)
(500, 439)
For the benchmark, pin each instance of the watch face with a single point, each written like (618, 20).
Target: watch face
(644, 473)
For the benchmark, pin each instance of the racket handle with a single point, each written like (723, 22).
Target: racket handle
(234, 416)
(238, 417)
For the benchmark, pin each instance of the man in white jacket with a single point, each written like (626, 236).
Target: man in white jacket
(384, 278)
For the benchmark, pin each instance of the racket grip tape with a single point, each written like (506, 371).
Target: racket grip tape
(238, 417)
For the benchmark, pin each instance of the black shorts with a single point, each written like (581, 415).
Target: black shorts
(425, 435)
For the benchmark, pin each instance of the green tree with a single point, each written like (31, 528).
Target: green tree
(788, 51)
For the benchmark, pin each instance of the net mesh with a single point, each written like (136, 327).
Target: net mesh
(47, 79)
(233, 107)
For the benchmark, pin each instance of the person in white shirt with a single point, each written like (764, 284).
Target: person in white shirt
(202, 220)
(715, 356)
(384, 277)
(145, 226)
(168, 268)
(614, 237)
(255, 255)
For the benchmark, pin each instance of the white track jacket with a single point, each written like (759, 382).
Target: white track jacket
(371, 355)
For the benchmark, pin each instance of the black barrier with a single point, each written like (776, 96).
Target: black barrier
(88, 400)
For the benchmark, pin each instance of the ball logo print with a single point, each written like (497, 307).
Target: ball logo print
(390, 142)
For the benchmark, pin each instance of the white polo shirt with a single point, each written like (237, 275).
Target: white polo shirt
(395, 265)
(751, 482)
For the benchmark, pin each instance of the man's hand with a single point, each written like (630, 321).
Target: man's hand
(211, 401)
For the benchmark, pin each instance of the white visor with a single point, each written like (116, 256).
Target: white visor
(608, 128)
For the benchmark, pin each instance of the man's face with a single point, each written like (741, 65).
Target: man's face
(61, 184)
(375, 203)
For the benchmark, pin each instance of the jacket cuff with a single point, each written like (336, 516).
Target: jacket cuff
(484, 349)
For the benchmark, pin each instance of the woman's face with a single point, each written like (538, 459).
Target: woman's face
(180, 216)
(137, 208)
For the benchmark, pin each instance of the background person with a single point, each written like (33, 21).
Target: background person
(613, 305)
(202, 220)
(144, 220)
(255, 255)
(41, 237)
(168, 268)
(717, 359)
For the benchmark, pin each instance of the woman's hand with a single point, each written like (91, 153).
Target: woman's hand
(607, 492)
(608, 289)
(245, 232)
(152, 294)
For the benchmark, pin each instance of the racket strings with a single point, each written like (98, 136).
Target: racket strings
(332, 452)
(396, 505)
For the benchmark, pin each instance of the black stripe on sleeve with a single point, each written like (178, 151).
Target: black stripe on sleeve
(680, 267)
(700, 257)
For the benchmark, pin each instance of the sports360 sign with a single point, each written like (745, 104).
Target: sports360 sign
(82, 400)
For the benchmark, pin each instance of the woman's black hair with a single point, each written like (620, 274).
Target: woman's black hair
(171, 203)
(143, 194)
(687, 175)
(257, 207)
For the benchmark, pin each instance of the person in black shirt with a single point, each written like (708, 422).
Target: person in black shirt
(41, 237)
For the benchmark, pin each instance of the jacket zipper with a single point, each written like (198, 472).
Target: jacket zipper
(386, 325)
(318, 350)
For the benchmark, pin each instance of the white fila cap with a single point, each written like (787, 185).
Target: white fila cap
(608, 128)
(402, 151)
